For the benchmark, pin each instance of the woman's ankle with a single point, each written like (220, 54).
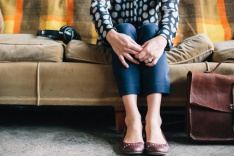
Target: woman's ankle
(132, 119)
(152, 120)
(153, 130)
(134, 129)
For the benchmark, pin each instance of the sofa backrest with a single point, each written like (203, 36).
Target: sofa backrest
(1, 22)
(213, 17)
(28, 16)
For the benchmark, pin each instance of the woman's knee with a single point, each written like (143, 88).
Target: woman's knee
(128, 29)
(149, 28)
(124, 27)
(147, 32)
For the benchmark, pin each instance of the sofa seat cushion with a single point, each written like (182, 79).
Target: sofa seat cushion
(223, 50)
(193, 49)
(80, 51)
(30, 48)
(86, 84)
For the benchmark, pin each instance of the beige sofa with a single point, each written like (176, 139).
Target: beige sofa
(39, 71)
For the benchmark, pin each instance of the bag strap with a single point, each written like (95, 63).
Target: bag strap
(208, 71)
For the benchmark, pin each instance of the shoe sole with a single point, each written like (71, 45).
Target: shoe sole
(133, 152)
(157, 153)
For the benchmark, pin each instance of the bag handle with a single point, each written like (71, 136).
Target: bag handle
(208, 71)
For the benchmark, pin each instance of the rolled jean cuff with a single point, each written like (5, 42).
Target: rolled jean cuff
(129, 89)
(158, 88)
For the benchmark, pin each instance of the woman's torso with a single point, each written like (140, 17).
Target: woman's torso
(135, 11)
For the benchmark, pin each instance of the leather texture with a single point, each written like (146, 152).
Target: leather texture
(133, 148)
(157, 149)
(232, 107)
(208, 107)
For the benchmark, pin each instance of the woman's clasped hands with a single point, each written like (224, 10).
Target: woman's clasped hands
(126, 48)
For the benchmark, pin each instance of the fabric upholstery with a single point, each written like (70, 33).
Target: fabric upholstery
(223, 50)
(88, 84)
(84, 84)
(27, 16)
(1, 22)
(18, 83)
(27, 47)
(80, 51)
(212, 17)
(196, 16)
(193, 49)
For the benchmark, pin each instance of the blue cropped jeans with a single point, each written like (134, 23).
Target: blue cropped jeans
(140, 79)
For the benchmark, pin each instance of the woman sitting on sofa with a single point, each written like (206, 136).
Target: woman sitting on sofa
(139, 31)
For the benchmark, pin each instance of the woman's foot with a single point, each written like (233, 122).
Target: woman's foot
(156, 143)
(134, 130)
(154, 132)
(133, 142)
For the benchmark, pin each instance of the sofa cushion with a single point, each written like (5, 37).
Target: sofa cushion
(80, 51)
(223, 50)
(27, 47)
(193, 49)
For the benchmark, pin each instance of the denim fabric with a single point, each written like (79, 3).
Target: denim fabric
(141, 79)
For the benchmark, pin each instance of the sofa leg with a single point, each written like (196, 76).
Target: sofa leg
(120, 119)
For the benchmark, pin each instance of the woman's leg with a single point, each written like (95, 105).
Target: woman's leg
(132, 120)
(128, 82)
(158, 84)
(155, 82)
(153, 119)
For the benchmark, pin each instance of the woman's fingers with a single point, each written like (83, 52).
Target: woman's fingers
(122, 60)
(143, 54)
(135, 46)
(131, 51)
(130, 58)
(132, 48)
(154, 61)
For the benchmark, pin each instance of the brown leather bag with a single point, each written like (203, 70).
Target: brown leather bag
(210, 99)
